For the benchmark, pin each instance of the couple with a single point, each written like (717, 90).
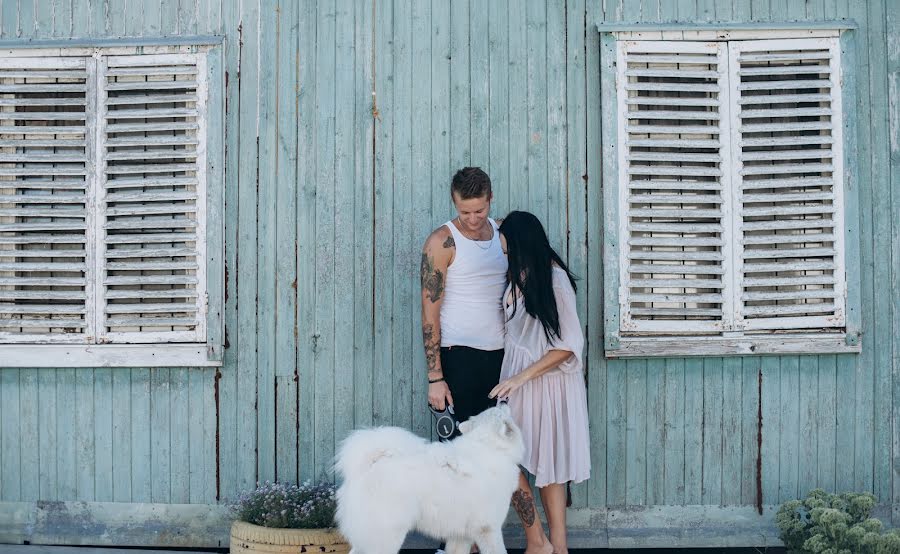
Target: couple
(499, 323)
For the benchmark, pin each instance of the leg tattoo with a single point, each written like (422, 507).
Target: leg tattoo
(523, 502)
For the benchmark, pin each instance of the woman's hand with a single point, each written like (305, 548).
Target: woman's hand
(507, 387)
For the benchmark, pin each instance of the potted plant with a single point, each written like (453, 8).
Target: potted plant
(281, 518)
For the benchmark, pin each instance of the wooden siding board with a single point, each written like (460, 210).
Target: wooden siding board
(10, 436)
(479, 83)
(771, 428)
(121, 436)
(636, 432)
(383, 386)
(421, 132)
(881, 246)
(199, 381)
(759, 10)
(498, 56)
(134, 13)
(246, 331)
(693, 431)
(306, 243)
(30, 425)
(364, 217)
(179, 431)
(518, 110)
(846, 422)
(788, 467)
(575, 167)
(103, 434)
(536, 160)
(750, 385)
(558, 185)
(47, 489)
(864, 430)
(84, 434)
(674, 433)
(324, 238)
(43, 24)
(656, 430)
(596, 364)
(809, 403)
(460, 92)
(267, 184)
(826, 415)
(732, 432)
(141, 463)
(893, 56)
(442, 169)
(406, 254)
(287, 277)
(344, 225)
(160, 435)
(711, 493)
(26, 18)
(617, 467)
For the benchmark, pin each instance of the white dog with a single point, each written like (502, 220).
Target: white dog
(458, 491)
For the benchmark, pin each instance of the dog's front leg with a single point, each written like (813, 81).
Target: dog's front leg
(491, 542)
(458, 546)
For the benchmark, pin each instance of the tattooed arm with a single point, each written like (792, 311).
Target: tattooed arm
(436, 257)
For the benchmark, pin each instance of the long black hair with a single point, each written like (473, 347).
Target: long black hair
(531, 260)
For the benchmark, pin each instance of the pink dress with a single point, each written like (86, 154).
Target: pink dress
(551, 410)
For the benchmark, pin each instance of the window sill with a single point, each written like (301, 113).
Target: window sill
(642, 347)
(105, 355)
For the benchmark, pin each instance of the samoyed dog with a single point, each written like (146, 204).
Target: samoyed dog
(458, 491)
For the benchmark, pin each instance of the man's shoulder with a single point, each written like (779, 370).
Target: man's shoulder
(441, 237)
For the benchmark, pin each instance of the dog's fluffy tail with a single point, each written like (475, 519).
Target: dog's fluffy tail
(363, 448)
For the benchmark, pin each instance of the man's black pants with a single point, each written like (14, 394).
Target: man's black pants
(471, 374)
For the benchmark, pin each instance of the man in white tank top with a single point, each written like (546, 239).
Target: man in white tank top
(463, 279)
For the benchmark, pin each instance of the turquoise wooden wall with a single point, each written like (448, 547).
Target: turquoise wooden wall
(345, 121)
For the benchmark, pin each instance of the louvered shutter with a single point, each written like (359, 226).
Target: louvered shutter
(153, 197)
(44, 187)
(787, 149)
(675, 232)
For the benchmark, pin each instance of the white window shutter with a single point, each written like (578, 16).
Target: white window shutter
(44, 190)
(674, 205)
(788, 184)
(152, 199)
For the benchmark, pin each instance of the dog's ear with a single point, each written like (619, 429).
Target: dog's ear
(465, 426)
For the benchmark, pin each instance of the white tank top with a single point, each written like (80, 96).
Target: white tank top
(472, 310)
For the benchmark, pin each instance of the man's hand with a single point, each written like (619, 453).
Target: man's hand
(439, 395)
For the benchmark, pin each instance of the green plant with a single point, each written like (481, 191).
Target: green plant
(824, 523)
(286, 506)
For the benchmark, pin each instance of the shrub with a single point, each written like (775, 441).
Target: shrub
(826, 523)
(282, 505)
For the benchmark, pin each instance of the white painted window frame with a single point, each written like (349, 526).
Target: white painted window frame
(736, 342)
(200, 348)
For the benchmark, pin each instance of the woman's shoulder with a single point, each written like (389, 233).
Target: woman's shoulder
(560, 277)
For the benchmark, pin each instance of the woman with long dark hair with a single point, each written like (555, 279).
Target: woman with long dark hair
(542, 378)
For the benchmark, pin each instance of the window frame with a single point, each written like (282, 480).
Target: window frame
(65, 353)
(618, 344)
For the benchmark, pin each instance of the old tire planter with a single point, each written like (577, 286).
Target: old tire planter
(247, 538)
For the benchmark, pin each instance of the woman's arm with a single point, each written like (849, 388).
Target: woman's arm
(550, 360)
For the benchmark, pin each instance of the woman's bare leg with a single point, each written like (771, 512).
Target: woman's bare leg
(523, 503)
(553, 497)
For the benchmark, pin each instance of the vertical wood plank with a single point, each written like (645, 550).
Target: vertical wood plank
(656, 430)
(153, 18)
(180, 432)
(711, 493)
(43, 23)
(268, 182)
(750, 429)
(9, 20)
(479, 84)
(81, 19)
(557, 184)
(759, 10)
(771, 427)
(422, 90)
(636, 432)
(10, 436)
(103, 434)
(741, 10)
(732, 437)
(536, 161)
(199, 382)
(66, 446)
(26, 19)
(287, 278)
(160, 434)
(460, 104)
(826, 399)
(675, 438)
(134, 16)
(693, 431)
(788, 474)
(617, 467)
(121, 435)
(47, 442)
(247, 246)
(383, 387)
(881, 237)
(141, 463)
(442, 169)
(846, 422)
(518, 110)
(84, 434)
(893, 56)
(306, 243)
(30, 429)
(809, 421)
(344, 224)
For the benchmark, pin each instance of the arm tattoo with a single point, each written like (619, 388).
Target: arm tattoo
(432, 279)
(523, 502)
(432, 346)
(449, 243)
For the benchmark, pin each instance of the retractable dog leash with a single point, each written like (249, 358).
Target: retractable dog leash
(445, 423)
